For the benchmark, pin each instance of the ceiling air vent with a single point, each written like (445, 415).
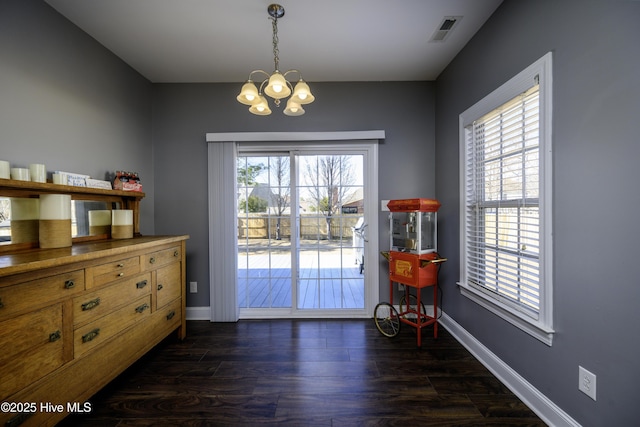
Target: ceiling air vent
(445, 28)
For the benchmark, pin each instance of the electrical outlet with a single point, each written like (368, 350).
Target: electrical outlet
(587, 382)
(193, 287)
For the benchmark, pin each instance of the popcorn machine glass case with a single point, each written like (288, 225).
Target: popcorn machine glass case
(413, 225)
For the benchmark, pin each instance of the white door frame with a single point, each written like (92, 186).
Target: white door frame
(222, 212)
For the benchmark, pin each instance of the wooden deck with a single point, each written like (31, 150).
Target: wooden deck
(327, 278)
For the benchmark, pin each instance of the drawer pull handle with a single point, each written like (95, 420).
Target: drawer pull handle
(121, 265)
(142, 308)
(55, 336)
(141, 285)
(176, 253)
(160, 286)
(90, 336)
(171, 314)
(89, 305)
(120, 274)
(152, 260)
(69, 284)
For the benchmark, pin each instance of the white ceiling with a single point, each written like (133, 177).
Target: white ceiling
(330, 40)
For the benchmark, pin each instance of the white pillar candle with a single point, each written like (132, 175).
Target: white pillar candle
(20, 174)
(22, 209)
(38, 172)
(5, 169)
(99, 217)
(58, 178)
(122, 217)
(55, 206)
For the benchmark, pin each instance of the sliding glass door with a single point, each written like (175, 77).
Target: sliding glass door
(302, 231)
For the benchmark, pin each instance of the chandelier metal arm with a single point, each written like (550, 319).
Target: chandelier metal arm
(267, 75)
(286, 73)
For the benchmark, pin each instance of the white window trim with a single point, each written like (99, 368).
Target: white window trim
(541, 328)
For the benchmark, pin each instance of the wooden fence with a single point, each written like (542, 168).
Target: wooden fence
(262, 226)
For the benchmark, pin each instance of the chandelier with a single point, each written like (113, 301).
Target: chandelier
(276, 85)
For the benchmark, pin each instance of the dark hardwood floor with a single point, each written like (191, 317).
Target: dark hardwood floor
(305, 373)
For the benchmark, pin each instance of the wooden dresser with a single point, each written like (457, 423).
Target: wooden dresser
(72, 319)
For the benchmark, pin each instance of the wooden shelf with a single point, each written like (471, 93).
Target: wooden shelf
(27, 189)
(15, 188)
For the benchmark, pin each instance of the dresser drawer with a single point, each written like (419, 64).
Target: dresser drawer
(116, 270)
(160, 258)
(95, 304)
(170, 316)
(101, 330)
(168, 284)
(32, 346)
(38, 293)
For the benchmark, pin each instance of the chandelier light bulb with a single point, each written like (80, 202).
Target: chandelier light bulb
(293, 109)
(249, 94)
(260, 108)
(277, 87)
(302, 93)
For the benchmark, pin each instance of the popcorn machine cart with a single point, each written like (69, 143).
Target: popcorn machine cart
(413, 262)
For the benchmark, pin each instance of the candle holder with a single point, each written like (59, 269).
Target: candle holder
(55, 221)
(122, 224)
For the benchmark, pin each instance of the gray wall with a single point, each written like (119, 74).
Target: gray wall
(67, 102)
(184, 113)
(596, 233)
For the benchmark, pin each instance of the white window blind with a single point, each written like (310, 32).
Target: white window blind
(502, 202)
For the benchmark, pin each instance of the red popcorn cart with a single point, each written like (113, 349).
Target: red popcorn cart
(413, 262)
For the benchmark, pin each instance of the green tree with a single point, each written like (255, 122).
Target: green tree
(253, 204)
(247, 173)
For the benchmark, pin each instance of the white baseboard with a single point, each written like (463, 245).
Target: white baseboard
(548, 411)
(198, 313)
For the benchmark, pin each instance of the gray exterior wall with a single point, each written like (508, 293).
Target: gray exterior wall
(596, 108)
(184, 113)
(69, 103)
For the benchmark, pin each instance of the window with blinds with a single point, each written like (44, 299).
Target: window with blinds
(502, 202)
(505, 201)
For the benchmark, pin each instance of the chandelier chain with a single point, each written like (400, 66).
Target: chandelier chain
(276, 58)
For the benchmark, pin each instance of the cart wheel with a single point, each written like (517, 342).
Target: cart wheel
(387, 320)
(413, 306)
